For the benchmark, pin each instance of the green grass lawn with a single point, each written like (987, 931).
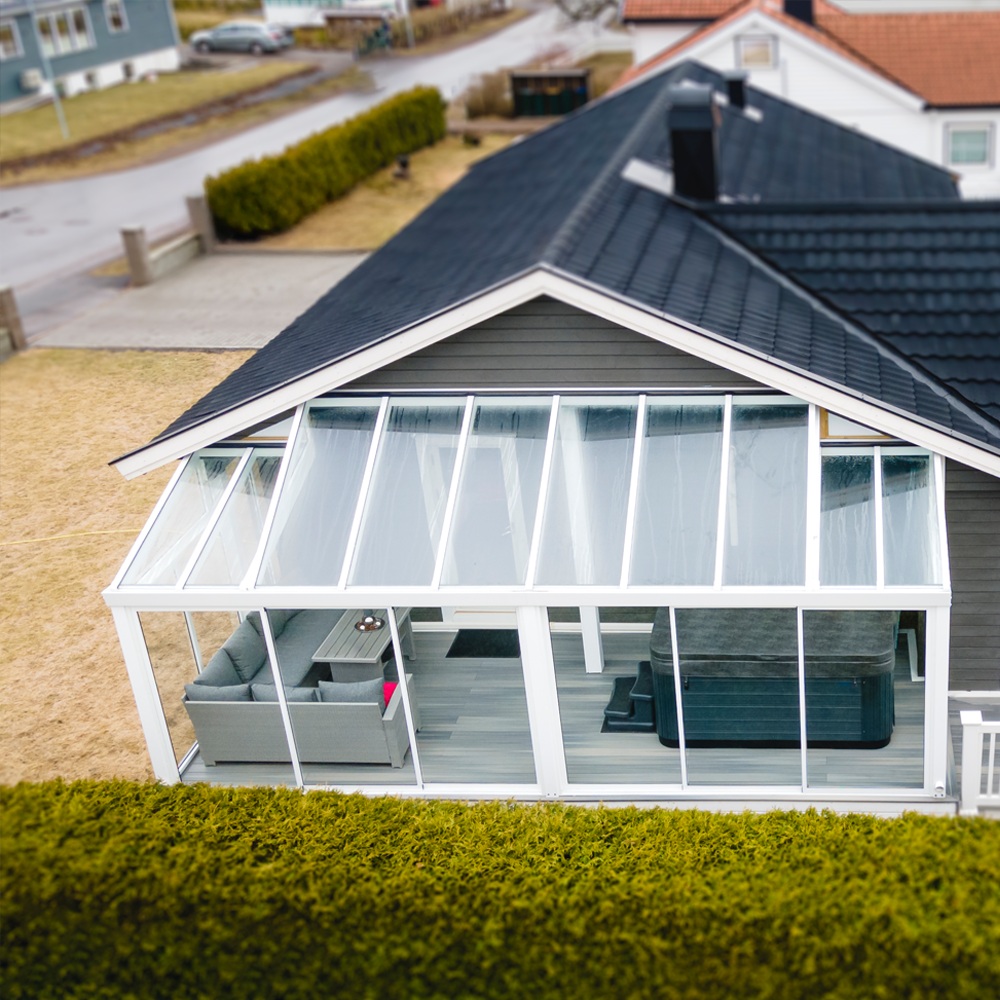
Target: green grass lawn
(124, 890)
(100, 112)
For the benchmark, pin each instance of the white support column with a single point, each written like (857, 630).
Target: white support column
(813, 499)
(936, 700)
(720, 538)
(633, 489)
(972, 762)
(193, 639)
(456, 476)
(803, 735)
(593, 648)
(543, 492)
(879, 523)
(678, 696)
(542, 697)
(279, 690)
(147, 697)
(411, 729)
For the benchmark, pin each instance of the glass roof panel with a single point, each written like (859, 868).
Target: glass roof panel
(231, 546)
(676, 515)
(583, 533)
(909, 515)
(182, 519)
(315, 511)
(766, 495)
(847, 521)
(498, 492)
(404, 511)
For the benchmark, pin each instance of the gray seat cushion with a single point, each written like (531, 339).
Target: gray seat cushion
(268, 692)
(205, 692)
(362, 691)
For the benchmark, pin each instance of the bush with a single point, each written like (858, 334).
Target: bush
(124, 890)
(490, 94)
(273, 194)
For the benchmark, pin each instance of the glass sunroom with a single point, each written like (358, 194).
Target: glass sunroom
(635, 596)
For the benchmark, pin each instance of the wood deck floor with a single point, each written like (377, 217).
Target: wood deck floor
(475, 729)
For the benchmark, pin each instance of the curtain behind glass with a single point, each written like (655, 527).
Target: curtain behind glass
(847, 521)
(909, 515)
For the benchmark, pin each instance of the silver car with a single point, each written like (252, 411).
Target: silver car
(243, 36)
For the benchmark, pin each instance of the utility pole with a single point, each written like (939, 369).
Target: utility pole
(409, 24)
(47, 69)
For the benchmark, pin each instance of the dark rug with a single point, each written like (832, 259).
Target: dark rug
(485, 643)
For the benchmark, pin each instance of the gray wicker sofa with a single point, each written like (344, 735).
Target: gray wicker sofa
(233, 702)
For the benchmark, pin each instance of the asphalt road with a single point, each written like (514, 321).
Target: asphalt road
(48, 231)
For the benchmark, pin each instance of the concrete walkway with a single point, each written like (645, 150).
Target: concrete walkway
(227, 301)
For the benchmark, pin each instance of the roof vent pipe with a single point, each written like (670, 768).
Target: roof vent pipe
(693, 120)
(736, 88)
(801, 9)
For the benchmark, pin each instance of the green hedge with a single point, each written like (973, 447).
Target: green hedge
(122, 890)
(274, 193)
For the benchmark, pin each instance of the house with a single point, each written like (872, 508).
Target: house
(927, 82)
(658, 460)
(82, 45)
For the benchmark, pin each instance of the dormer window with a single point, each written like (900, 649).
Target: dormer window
(969, 145)
(756, 52)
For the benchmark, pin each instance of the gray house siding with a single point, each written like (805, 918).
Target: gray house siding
(150, 28)
(972, 502)
(547, 344)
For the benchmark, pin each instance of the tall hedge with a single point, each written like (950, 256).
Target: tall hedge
(121, 890)
(272, 194)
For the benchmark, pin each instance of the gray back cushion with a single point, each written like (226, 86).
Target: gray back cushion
(232, 692)
(279, 619)
(247, 650)
(367, 691)
(219, 671)
(268, 692)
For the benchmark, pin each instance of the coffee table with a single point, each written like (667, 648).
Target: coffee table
(345, 644)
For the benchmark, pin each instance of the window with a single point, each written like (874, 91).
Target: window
(10, 40)
(114, 11)
(64, 32)
(756, 52)
(969, 145)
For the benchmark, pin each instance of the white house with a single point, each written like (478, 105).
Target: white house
(928, 83)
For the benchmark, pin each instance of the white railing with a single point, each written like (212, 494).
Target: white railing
(974, 733)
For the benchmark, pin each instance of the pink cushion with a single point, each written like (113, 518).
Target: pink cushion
(387, 688)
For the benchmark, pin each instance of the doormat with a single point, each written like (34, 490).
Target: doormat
(485, 643)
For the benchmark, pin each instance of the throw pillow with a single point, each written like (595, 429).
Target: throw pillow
(353, 691)
(232, 692)
(387, 688)
(247, 651)
(268, 692)
(219, 671)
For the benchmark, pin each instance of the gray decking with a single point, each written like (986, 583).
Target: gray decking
(475, 729)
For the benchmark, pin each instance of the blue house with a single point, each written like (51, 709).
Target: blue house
(82, 45)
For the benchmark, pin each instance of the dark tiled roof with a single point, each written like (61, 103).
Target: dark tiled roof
(557, 201)
(925, 279)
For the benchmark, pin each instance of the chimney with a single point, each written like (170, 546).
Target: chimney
(736, 88)
(802, 9)
(693, 120)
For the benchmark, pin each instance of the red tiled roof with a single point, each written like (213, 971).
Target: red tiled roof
(675, 10)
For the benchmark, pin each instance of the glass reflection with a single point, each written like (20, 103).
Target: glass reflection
(234, 539)
(766, 501)
(847, 521)
(676, 516)
(317, 503)
(170, 542)
(584, 528)
(498, 494)
(909, 516)
(406, 502)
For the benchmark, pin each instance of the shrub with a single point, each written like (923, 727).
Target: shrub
(490, 94)
(274, 193)
(123, 890)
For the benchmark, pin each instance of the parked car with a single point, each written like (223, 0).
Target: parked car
(243, 36)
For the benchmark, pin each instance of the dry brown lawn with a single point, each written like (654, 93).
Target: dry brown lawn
(382, 205)
(67, 521)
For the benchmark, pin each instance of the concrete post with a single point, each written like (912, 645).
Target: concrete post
(201, 221)
(137, 254)
(10, 318)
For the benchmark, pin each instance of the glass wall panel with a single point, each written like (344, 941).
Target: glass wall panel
(583, 535)
(344, 699)
(739, 692)
(610, 725)
(182, 519)
(231, 546)
(320, 493)
(766, 495)
(909, 514)
(406, 502)
(847, 521)
(498, 493)
(864, 699)
(676, 515)
(468, 695)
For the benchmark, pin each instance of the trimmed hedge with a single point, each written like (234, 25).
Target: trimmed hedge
(272, 194)
(139, 891)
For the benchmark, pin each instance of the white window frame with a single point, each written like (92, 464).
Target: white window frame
(75, 42)
(952, 127)
(119, 6)
(742, 42)
(15, 37)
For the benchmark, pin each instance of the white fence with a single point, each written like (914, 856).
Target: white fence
(978, 789)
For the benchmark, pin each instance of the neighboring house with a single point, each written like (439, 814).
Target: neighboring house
(82, 44)
(657, 25)
(700, 464)
(928, 83)
(313, 13)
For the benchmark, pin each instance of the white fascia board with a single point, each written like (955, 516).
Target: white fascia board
(682, 336)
